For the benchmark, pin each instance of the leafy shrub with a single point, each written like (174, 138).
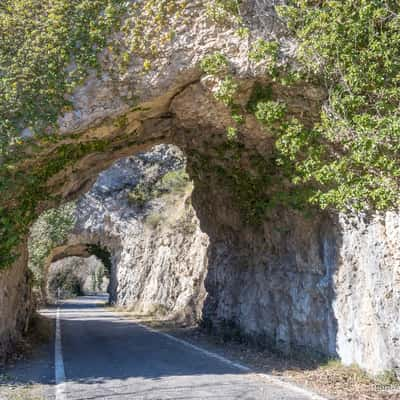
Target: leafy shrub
(150, 24)
(270, 112)
(224, 11)
(49, 231)
(171, 182)
(69, 284)
(174, 181)
(39, 40)
(266, 51)
(214, 64)
(227, 90)
(352, 155)
(349, 160)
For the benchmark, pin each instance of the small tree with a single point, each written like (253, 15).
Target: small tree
(69, 283)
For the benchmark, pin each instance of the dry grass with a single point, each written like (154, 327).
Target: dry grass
(155, 312)
(331, 378)
(28, 392)
(345, 382)
(40, 331)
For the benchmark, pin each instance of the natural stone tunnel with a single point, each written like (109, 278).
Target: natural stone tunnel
(76, 276)
(321, 281)
(138, 218)
(284, 284)
(63, 258)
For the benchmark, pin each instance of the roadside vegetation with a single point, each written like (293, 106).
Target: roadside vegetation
(349, 159)
(49, 231)
(69, 284)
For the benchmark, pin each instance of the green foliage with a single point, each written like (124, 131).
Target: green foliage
(231, 133)
(49, 231)
(237, 114)
(269, 112)
(260, 93)
(121, 122)
(23, 188)
(217, 65)
(68, 282)
(256, 191)
(266, 51)
(349, 160)
(46, 49)
(352, 155)
(262, 49)
(224, 12)
(173, 182)
(214, 64)
(150, 25)
(227, 90)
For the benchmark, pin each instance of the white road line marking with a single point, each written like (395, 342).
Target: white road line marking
(59, 362)
(266, 377)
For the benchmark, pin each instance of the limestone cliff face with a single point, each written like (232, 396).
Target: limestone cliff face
(367, 288)
(16, 304)
(131, 110)
(157, 249)
(330, 285)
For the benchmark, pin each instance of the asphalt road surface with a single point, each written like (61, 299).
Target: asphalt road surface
(101, 355)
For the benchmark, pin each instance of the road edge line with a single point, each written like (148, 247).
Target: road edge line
(59, 370)
(271, 379)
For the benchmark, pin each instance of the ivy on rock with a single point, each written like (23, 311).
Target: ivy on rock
(47, 48)
(352, 154)
(350, 157)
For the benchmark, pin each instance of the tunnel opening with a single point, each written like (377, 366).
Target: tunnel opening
(244, 271)
(186, 241)
(138, 220)
(76, 276)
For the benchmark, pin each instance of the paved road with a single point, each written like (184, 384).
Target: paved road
(106, 356)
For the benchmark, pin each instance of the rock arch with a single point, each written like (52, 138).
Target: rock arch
(157, 252)
(286, 279)
(81, 250)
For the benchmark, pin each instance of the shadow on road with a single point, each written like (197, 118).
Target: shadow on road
(99, 346)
